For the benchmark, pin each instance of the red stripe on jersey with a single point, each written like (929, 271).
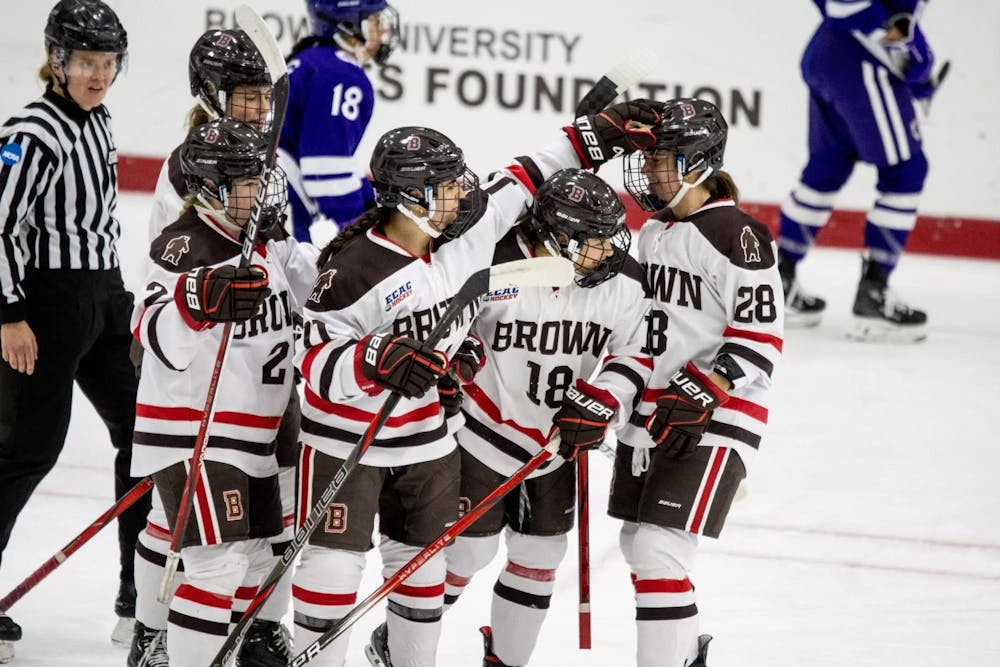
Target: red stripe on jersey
(453, 579)
(749, 408)
(157, 532)
(420, 591)
(756, 336)
(204, 511)
(662, 585)
(310, 357)
(473, 391)
(204, 598)
(325, 599)
(193, 415)
(713, 477)
(246, 593)
(532, 573)
(574, 139)
(645, 361)
(305, 481)
(355, 414)
(288, 520)
(520, 174)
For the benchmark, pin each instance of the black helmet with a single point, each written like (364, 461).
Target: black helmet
(220, 61)
(408, 164)
(572, 208)
(694, 132)
(85, 25)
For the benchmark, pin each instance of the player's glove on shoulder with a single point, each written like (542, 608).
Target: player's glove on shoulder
(683, 411)
(618, 130)
(469, 359)
(583, 418)
(220, 294)
(399, 363)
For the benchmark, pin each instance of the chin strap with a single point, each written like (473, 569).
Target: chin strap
(352, 45)
(422, 222)
(685, 186)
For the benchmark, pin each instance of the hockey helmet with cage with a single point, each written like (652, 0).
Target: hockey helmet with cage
(84, 25)
(220, 61)
(408, 164)
(694, 132)
(219, 152)
(345, 18)
(574, 209)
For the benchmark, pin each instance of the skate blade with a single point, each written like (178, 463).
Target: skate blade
(373, 657)
(871, 330)
(6, 652)
(122, 634)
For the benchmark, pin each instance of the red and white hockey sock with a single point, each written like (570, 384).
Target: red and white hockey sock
(522, 593)
(464, 557)
(324, 589)
(415, 606)
(150, 560)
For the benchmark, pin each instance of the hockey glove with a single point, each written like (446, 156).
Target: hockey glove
(583, 418)
(399, 364)
(450, 395)
(618, 130)
(683, 411)
(469, 359)
(220, 294)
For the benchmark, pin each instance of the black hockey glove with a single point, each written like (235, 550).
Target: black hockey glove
(683, 411)
(400, 364)
(450, 395)
(469, 359)
(221, 294)
(618, 130)
(583, 418)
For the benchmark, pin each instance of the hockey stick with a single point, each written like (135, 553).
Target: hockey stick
(428, 552)
(257, 30)
(619, 78)
(537, 272)
(938, 79)
(583, 545)
(33, 579)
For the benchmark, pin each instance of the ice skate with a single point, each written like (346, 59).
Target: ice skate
(801, 310)
(377, 650)
(10, 632)
(490, 658)
(149, 648)
(879, 315)
(267, 644)
(701, 660)
(125, 611)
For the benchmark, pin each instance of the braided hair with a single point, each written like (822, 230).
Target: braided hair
(373, 216)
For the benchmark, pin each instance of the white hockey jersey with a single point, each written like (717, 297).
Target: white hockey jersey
(716, 291)
(257, 376)
(168, 197)
(372, 286)
(537, 342)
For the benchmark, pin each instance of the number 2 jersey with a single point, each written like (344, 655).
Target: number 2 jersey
(179, 359)
(373, 285)
(538, 340)
(717, 302)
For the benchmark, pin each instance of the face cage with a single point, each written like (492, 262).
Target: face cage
(470, 205)
(275, 202)
(389, 20)
(608, 267)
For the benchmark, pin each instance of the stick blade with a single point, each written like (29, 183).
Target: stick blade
(254, 26)
(619, 78)
(533, 272)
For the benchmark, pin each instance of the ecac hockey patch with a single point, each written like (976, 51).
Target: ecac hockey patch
(398, 295)
(11, 154)
(505, 294)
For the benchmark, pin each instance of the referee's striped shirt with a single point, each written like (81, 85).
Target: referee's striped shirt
(58, 191)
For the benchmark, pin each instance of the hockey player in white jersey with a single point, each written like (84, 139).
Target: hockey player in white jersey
(228, 78)
(194, 284)
(547, 352)
(383, 284)
(715, 335)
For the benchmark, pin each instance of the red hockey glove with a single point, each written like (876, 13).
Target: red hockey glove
(618, 130)
(220, 294)
(683, 411)
(469, 359)
(583, 418)
(400, 364)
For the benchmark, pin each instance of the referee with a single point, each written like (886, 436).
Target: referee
(64, 311)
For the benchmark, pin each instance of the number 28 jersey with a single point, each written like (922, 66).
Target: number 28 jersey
(717, 302)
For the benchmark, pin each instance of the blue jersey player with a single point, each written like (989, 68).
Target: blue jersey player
(865, 66)
(329, 107)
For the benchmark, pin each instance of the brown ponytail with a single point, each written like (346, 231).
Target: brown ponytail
(721, 185)
(197, 116)
(368, 219)
(45, 74)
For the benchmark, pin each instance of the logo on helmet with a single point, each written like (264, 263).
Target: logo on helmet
(688, 110)
(224, 40)
(576, 193)
(751, 246)
(211, 136)
(176, 247)
(413, 143)
(323, 282)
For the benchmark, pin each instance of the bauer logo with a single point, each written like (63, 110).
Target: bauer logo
(505, 294)
(11, 154)
(398, 295)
